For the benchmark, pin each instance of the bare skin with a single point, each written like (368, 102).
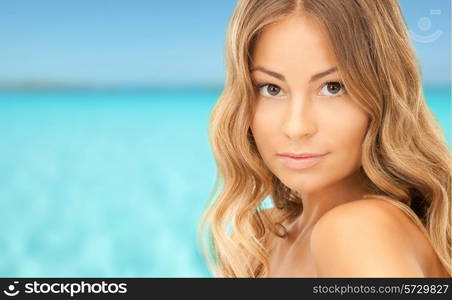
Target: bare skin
(297, 111)
(293, 256)
(286, 254)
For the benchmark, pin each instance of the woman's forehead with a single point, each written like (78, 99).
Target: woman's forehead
(293, 41)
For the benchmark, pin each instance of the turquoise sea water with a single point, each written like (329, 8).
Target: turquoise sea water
(110, 184)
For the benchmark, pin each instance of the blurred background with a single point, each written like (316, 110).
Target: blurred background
(105, 165)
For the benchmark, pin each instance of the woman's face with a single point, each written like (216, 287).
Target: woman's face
(298, 112)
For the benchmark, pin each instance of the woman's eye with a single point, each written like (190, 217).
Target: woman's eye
(270, 90)
(333, 88)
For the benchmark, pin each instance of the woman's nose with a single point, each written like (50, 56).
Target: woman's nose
(299, 119)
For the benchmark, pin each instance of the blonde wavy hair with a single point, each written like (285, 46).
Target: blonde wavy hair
(405, 155)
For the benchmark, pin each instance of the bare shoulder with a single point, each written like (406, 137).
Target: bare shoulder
(365, 238)
(366, 210)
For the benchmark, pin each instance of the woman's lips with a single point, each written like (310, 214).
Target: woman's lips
(300, 163)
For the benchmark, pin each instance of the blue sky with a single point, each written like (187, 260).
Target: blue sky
(147, 42)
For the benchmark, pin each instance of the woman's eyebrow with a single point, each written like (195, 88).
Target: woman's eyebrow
(281, 77)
